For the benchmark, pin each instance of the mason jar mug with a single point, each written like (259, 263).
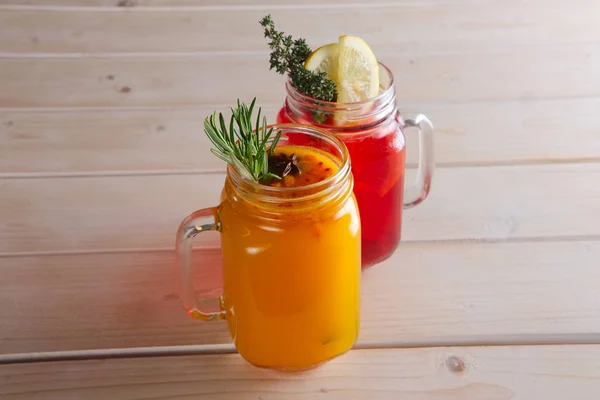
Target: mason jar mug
(373, 130)
(291, 259)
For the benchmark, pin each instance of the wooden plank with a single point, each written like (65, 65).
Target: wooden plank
(522, 373)
(133, 212)
(79, 214)
(531, 73)
(115, 141)
(130, 141)
(403, 27)
(137, 4)
(426, 294)
(119, 300)
(510, 132)
(247, 4)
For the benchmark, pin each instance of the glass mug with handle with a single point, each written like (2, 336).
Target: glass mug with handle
(373, 131)
(291, 257)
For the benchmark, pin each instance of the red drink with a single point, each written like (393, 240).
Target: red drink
(372, 131)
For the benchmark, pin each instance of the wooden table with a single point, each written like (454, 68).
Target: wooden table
(493, 294)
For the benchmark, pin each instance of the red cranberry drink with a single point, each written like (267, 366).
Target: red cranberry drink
(342, 88)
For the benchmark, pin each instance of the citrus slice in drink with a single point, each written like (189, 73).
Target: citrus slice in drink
(353, 67)
(324, 59)
(358, 71)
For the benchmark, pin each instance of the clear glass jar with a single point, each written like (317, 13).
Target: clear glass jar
(373, 132)
(291, 261)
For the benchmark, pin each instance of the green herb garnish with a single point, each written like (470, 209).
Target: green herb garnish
(240, 143)
(288, 55)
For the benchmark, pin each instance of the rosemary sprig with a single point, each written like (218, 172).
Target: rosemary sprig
(289, 55)
(239, 142)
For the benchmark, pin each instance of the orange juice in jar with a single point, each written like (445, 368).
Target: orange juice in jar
(291, 254)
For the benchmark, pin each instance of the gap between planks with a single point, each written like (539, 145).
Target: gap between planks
(196, 350)
(228, 7)
(216, 171)
(226, 106)
(531, 239)
(443, 51)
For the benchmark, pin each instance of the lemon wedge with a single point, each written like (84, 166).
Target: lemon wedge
(351, 64)
(358, 72)
(324, 59)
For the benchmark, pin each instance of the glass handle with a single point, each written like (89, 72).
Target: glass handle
(199, 221)
(419, 190)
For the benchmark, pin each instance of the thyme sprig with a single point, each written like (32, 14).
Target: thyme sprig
(241, 143)
(288, 56)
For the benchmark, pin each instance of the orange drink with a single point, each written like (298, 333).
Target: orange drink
(291, 254)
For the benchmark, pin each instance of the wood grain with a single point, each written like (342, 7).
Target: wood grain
(410, 28)
(510, 74)
(426, 294)
(140, 141)
(143, 212)
(522, 373)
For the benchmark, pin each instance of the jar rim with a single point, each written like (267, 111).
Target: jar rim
(386, 94)
(273, 194)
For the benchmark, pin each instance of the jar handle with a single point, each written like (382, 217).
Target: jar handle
(204, 220)
(419, 190)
